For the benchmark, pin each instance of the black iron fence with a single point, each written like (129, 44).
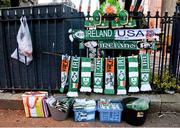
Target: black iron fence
(49, 27)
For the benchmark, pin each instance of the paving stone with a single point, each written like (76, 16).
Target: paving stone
(168, 98)
(170, 107)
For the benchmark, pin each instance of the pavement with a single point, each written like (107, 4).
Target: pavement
(16, 118)
(164, 112)
(159, 102)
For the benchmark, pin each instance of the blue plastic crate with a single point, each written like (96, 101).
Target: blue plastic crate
(112, 116)
(84, 115)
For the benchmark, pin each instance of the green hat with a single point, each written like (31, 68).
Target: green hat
(97, 18)
(123, 17)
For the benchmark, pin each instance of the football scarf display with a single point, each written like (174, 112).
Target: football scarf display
(109, 76)
(74, 77)
(145, 72)
(65, 61)
(121, 76)
(133, 74)
(85, 75)
(98, 75)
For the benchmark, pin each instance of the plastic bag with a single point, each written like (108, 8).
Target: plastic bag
(25, 48)
(139, 105)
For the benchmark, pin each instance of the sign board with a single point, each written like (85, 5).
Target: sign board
(121, 34)
(126, 45)
(137, 34)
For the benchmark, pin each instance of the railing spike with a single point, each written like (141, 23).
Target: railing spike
(23, 12)
(47, 11)
(0, 13)
(31, 11)
(55, 10)
(15, 12)
(39, 11)
(7, 12)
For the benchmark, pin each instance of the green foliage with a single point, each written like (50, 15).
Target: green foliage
(167, 83)
(4, 3)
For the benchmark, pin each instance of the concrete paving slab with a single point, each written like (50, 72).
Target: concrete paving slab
(170, 107)
(168, 98)
(151, 97)
(154, 107)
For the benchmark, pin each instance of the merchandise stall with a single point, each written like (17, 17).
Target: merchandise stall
(112, 65)
(113, 42)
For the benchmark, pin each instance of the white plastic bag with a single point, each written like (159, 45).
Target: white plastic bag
(25, 48)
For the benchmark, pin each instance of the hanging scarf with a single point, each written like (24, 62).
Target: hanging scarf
(121, 76)
(141, 7)
(65, 61)
(145, 72)
(109, 76)
(133, 74)
(98, 75)
(74, 77)
(85, 75)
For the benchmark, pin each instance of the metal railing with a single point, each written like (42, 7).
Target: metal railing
(49, 27)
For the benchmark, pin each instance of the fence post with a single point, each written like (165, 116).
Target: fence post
(154, 57)
(164, 44)
(175, 47)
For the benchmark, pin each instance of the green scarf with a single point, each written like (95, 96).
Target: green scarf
(74, 77)
(85, 75)
(98, 75)
(145, 72)
(121, 76)
(65, 61)
(133, 74)
(109, 76)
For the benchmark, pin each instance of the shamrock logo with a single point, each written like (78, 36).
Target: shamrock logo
(63, 77)
(86, 81)
(134, 81)
(145, 77)
(74, 76)
(98, 80)
(121, 74)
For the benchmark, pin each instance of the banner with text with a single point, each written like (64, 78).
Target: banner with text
(121, 34)
(126, 45)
